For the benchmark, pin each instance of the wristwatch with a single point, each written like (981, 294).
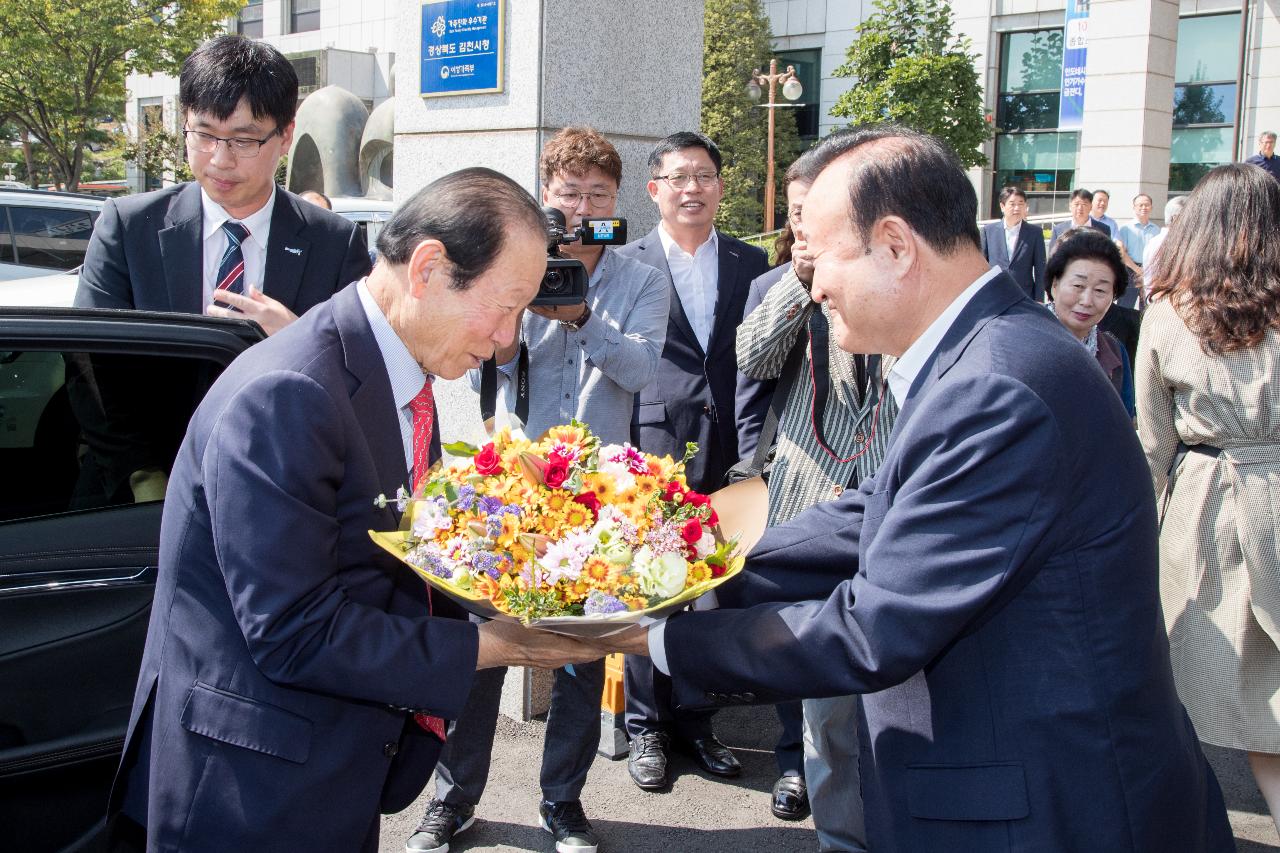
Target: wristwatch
(575, 325)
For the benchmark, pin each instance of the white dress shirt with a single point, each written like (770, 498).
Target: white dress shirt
(254, 247)
(910, 363)
(901, 377)
(404, 372)
(1011, 238)
(695, 278)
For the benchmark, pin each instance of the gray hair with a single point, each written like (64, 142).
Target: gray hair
(1266, 134)
(1173, 208)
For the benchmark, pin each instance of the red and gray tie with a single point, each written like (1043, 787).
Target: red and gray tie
(423, 408)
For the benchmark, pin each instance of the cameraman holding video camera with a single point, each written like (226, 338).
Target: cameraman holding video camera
(586, 359)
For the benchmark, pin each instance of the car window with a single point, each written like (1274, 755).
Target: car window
(51, 237)
(82, 431)
(7, 255)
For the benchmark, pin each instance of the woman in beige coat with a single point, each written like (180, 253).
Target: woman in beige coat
(1209, 420)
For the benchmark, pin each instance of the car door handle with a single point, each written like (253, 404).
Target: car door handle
(27, 583)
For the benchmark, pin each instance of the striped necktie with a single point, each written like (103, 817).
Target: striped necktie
(423, 408)
(231, 267)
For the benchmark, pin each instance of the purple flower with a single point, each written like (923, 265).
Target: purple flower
(488, 505)
(493, 526)
(487, 562)
(600, 604)
(467, 497)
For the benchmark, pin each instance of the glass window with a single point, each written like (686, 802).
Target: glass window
(1030, 153)
(1194, 152)
(51, 237)
(79, 431)
(808, 72)
(6, 238)
(1204, 104)
(251, 20)
(1031, 62)
(1208, 48)
(304, 16)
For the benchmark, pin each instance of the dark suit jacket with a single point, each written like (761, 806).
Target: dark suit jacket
(1063, 227)
(1026, 267)
(282, 638)
(146, 253)
(692, 396)
(998, 611)
(754, 395)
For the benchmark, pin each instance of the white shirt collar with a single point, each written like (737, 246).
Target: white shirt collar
(909, 365)
(404, 372)
(258, 222)
(672, 249)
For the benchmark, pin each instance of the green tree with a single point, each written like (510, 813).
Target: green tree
(736, 41)
(911, 69)
(157, 151)
(64, 63)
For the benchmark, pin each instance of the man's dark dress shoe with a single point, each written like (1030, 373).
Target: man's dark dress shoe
(790, 798)
(647, 761)
(712, 756)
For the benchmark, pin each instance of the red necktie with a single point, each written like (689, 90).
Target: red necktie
(423, 408)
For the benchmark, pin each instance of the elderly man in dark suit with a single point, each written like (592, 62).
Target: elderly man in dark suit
(294, 682)
(1016, 246)
(997, 611)
(230, 243)
(690, 399)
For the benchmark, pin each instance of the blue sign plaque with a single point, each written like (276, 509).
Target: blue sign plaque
(1075, 48)
(461, 47)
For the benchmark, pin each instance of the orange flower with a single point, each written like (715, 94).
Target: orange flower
(577, 516)
(566, 434)
(698, 572)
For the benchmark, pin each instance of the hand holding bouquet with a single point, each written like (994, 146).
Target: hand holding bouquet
(562, 532)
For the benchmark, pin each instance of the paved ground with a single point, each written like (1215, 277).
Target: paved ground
(699, 814)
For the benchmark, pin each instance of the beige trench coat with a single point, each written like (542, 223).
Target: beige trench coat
(1219, 563)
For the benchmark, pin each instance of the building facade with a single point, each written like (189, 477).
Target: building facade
(329, 42)
(1173, 88)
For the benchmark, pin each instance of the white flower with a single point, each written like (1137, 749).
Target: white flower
(705, 545)
(429, 516)
(663, 576)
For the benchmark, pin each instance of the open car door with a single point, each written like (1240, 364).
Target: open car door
(93, 407)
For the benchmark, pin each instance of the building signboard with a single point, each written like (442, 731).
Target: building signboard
(461, 47)
(1075, 47)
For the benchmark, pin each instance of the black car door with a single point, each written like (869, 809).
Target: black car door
(93, 406)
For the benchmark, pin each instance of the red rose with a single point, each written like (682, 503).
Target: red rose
(696, 498)
(556, 472)
(671, 491)
(488, 461)
(590, 500)
(562, 454)
(713, 519)
(717, 571)
(691, 532)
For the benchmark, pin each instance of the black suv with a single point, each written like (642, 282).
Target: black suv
(87, 400)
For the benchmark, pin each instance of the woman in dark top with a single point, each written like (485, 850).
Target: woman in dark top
(1085, 276)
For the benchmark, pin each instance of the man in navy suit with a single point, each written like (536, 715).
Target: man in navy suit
(690, 399)
(294, 683)
(1081, 203)
(1016, 246)
(992, 590)
(230, 243)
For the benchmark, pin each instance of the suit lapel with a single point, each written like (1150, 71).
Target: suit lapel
(182, 251)
(651, 253)
(729, 258)
(993, 299)
(371, 397)
(287, 251)
(995, 234)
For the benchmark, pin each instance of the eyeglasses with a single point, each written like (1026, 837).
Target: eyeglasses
(679, 181)
(207, 143)
(573, 199)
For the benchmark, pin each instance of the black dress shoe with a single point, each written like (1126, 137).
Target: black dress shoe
(647, 761)
(712, 756)
(790, 798)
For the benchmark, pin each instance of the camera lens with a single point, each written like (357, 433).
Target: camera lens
(553, 281)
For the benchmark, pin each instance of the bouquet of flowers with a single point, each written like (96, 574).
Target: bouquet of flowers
(562, 532)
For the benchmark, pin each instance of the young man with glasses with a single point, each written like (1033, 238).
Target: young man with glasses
(583, 361)
(691, 399)
(231, 243)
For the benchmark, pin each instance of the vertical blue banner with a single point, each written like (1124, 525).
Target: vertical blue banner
(461, 47)
(1075, 47)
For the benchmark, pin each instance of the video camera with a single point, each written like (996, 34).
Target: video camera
(565, 281)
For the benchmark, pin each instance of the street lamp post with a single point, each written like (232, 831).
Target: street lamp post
(791, 89)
